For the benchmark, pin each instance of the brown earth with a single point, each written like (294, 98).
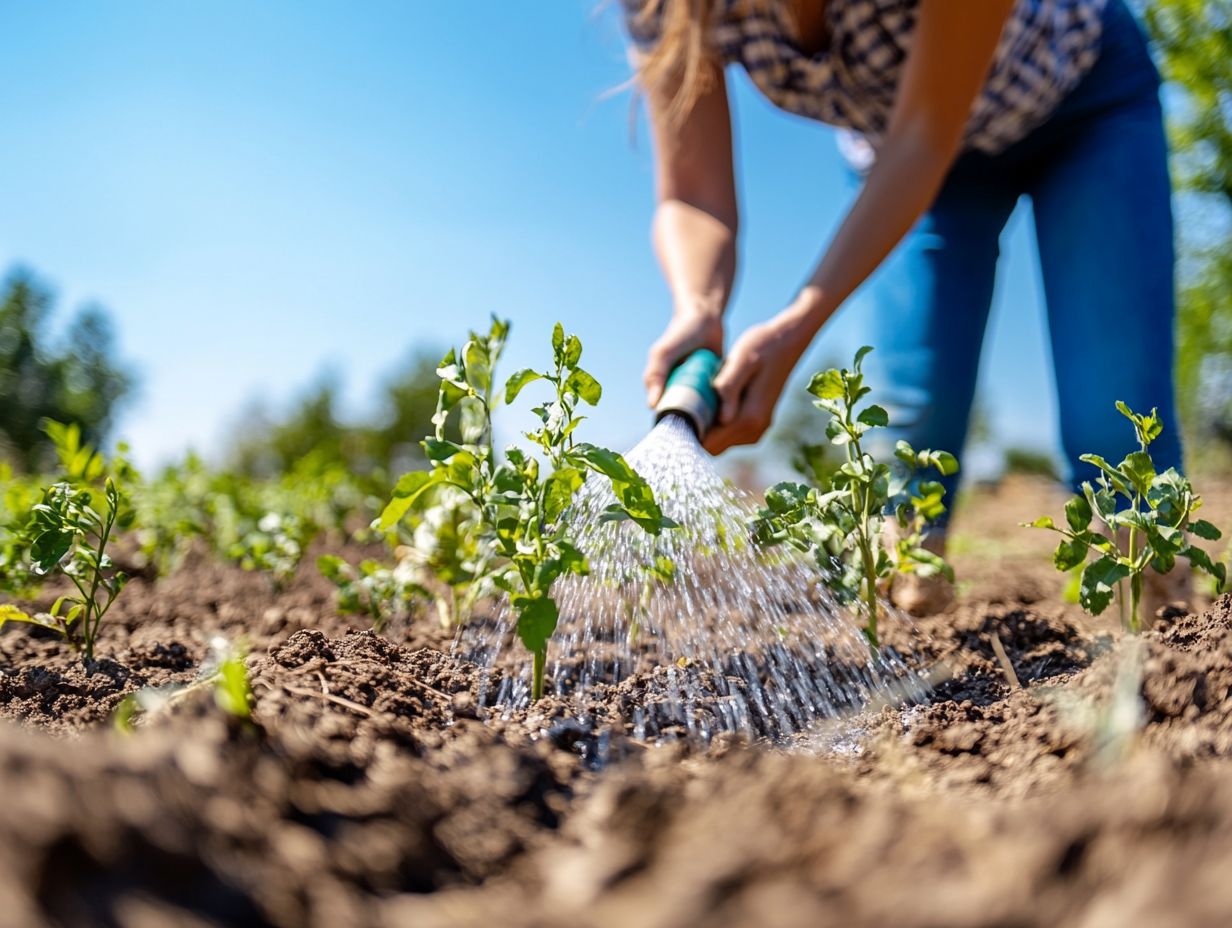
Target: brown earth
(1096, 790)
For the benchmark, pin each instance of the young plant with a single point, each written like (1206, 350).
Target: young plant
(372, 588)
(1145, 516)
(521, 499)
(274, 546)
(69, 535)
(840, 520)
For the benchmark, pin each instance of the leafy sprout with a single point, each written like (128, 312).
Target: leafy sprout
(1144, 516)
(520, 499)
(840, 519)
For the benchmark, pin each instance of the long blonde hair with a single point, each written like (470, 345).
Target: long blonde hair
(679, 59)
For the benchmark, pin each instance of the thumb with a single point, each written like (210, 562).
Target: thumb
(737, 370)
(663, 354)
(654, 378)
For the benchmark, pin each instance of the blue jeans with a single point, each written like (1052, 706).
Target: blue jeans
(1097, 176)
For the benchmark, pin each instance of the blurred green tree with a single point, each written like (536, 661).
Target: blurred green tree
(79, 380)
(1193, 39)
(382, 447)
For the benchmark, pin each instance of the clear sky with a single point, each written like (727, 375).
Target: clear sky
(261, 191)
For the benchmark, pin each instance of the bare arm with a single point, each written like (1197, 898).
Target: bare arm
(951, 53)
(695, 224)
(949, 60)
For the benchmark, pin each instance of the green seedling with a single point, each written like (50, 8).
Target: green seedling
(274, 546)
(373, 589)
(450, 552)
(69, 535)
(840, 520)
(520, 499)
(1144, 517)
(223, 671)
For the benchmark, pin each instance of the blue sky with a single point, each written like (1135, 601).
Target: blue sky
(259, 192)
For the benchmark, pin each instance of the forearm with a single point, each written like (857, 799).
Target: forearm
(696, 248)
(901, 186)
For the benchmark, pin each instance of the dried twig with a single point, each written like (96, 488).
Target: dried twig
(1004, 660)
(330, 697)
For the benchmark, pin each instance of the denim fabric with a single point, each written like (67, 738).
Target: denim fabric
(1097, 176)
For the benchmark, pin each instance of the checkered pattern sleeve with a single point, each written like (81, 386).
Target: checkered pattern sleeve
(1045, 49)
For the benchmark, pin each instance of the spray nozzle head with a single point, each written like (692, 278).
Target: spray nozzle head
(690, 392)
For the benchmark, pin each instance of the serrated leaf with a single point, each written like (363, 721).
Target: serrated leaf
(1202, 561)
(1099, 581)
(1078, 514)
(1205, 530)
(1069, 554)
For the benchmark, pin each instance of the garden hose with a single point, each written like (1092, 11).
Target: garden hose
(690, 392)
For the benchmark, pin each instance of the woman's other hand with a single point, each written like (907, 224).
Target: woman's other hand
(752, 378)
(688, 331)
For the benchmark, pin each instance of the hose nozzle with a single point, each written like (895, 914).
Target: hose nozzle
(690, 392)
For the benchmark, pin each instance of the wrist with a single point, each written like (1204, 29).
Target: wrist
(700, 307)
(803, 317)
(809, 310)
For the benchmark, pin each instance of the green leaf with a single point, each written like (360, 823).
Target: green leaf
(1204, 529)
(1078, 514)
(874, 417)
(573, 351)
(905, 453)
(860, 356)
(439, 451)
(537, 617)
(1041, 522)
(1140, 470)
(827, 385)
(408, 489)
(609, 463)
(558, 491)
(585, 386)
(558, 339)
(945, 462)
(1118, 480)
(1069, 554)
(1202, 561)
(518, 380)
(1099, 580)
(786, 497)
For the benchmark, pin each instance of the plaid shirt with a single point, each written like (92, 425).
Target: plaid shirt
(1045, 49)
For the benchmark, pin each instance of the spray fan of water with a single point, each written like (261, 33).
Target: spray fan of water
(739, 639)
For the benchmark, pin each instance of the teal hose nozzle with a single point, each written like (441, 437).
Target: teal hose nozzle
(690, 392)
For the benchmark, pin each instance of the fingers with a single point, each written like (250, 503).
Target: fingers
(750, 422)
(734, 376)
(683, 336)
(658, 364)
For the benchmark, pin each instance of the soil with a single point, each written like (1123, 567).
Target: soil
(1077, 778)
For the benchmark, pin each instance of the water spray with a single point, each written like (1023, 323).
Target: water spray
(737, 639)
(689, 392)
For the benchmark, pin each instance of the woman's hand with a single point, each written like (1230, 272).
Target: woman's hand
(688, 331)
(752, 377)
